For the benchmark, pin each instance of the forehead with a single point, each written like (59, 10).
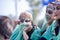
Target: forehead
(24, 19)
(25, 16)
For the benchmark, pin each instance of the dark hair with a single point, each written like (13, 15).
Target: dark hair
(3, 26)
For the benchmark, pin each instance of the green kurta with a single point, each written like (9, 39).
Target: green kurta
(58, 37)
(36, 34)
(49, 34)
(44, 25)
(17, 33)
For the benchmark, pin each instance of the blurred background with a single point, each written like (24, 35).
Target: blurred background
(13, 8)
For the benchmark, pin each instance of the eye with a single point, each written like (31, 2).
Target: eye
(50, 12)
(27, 20)
(58, 8)
(22, 20)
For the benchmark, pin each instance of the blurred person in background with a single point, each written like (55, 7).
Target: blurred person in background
(5, 28)
(49, 12)
(53, 23)
(25, 30)
(47, 19)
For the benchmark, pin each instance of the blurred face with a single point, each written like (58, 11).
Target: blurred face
(49, 12)
(8, 23)
(57, 11)
(26, 20)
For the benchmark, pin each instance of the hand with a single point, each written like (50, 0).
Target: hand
(27, 29)
(26, 37)
(53, 16)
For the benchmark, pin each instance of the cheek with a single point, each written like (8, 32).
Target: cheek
(50, 15)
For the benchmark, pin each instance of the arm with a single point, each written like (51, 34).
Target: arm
(27, 29)
(25, 35)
